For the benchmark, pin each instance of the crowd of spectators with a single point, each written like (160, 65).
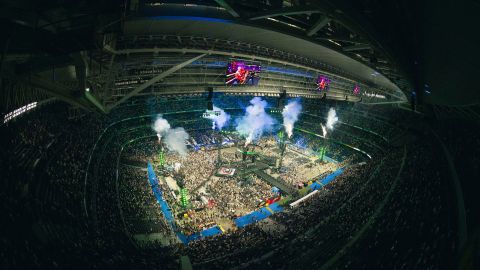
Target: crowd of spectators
(139, 206)
(462, 142)
(320, 216)
(399, 210)
(395, 211)
(416, 229)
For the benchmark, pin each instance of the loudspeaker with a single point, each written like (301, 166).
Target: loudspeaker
(210, 93)
(281, 99)
(210, 98)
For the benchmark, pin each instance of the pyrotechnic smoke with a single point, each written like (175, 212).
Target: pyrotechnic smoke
(290, 115)
(255, 121)
(324, 131)
(175, 139)
(331, 118)
(219, 120)
(177, 166)
(161, 126)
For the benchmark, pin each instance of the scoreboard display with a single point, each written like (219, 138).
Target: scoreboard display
(323, 83)
(240, 73)
(356, 89)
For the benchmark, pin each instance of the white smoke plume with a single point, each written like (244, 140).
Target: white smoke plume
(331, 118)
(175, 139)
(220, 120)
(177, 166)
(324, 131)
(290, 115)
(255, 121)
(161, 126)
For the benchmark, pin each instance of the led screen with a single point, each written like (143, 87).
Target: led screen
(240, 73)
(323, 83)
(356, 89)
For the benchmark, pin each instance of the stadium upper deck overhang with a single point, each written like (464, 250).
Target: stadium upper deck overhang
(70, 44)
(230, 30)
(375, 43)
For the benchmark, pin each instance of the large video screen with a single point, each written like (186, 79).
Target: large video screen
(323, 83)
(238, 73)
(356, 89)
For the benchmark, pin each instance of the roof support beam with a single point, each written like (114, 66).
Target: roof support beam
(41, 63)
(155, 79)
(464, 113)
(81, 70)
(227, 7)
(60, 91)
(471, 111)
(215, 52)
(284, 12)
(357, 47)
(342, 38)
(95, 102)
(322, 22)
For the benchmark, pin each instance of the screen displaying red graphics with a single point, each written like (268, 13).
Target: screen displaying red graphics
(323, 83)
(240, 73)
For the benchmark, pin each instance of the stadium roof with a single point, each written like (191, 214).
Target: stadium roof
(390, 46)
(228, 30)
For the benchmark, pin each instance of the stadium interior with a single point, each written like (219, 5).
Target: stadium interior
(239, 134)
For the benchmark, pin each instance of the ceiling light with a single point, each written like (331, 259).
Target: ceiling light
(334, 42)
